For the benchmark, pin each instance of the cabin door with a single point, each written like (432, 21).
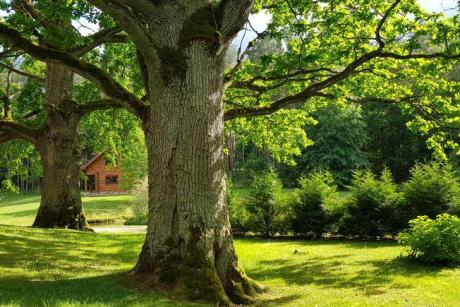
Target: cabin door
(91, 183)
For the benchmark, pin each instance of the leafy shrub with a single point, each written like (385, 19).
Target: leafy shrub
(372, 209)
(263, 204)
(133, 166)
(313, 204)
(9, 187)
(237, 210)
(254, 166)
(433, 241)
(432, 189)
(139, 202)
(238, 216)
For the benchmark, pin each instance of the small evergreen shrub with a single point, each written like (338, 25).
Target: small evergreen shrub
(312, 203)
(372, 209)
(263, 204)
(139, 202)
(432, 189)
(433, 241)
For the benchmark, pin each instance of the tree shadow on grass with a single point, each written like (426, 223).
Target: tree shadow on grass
(349, 243)
(104, 204)
(40, 267)
(17, 214)
(279, 301)
(101, 290)
(17, 200)
(55, 267)
(38, 249)
(374, 277)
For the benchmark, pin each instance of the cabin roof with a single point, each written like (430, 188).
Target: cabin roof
(91, 161)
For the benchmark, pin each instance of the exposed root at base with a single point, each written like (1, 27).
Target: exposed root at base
(204, 288)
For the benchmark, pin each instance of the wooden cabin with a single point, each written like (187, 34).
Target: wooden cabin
(100, 178)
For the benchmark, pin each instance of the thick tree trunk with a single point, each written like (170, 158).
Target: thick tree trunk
(189, 243)
(60, 152)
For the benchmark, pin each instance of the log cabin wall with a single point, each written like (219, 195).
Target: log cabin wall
(101, 179)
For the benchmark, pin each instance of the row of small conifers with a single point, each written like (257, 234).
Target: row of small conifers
(421, 213)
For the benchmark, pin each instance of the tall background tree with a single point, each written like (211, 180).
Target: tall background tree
(339, 139)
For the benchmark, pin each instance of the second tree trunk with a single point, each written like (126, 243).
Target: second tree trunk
(59, 148)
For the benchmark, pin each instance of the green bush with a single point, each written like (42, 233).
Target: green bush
(9, 187)
(238, 216)
(432, 189)
(139, 203)
(433, 241)
(373, 207)
(237, 210)
(313, 204)
(254, 166)
(263, 204)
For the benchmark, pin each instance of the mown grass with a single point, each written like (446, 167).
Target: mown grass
(20, 210)
(68, 268)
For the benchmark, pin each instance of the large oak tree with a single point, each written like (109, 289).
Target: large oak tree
(56, 138)
(359, 50)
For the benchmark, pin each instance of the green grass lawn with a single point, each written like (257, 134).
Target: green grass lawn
(68, 268)
(20, 210)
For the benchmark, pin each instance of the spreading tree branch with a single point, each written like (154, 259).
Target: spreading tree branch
(315, 89)
(386, 15)
(11, 130)
(98, 105)
(127, 12)
(23, 73)
(91, 72)
(241, 57)
(250, 84)
(105, 36)
(27, 7)
(234, 13)
(312, 90)
(6, 136)
(429, 56)
(271, 108)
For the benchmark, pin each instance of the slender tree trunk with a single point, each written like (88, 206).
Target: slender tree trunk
(231, 147)
(6, 108)
(60, 152)
(189, 243)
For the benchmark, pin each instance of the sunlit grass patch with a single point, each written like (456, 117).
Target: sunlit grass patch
(69, 268)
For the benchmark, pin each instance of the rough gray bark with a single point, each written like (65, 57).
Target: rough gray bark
(59, 148)
(189, 243)
(182, 45)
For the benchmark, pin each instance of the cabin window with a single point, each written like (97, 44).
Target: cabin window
(111, 179)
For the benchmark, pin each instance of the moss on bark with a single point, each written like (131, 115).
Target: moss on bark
(194, 276)
(68, 217)
(202, 25)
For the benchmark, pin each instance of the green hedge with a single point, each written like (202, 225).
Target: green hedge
(375, 206)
